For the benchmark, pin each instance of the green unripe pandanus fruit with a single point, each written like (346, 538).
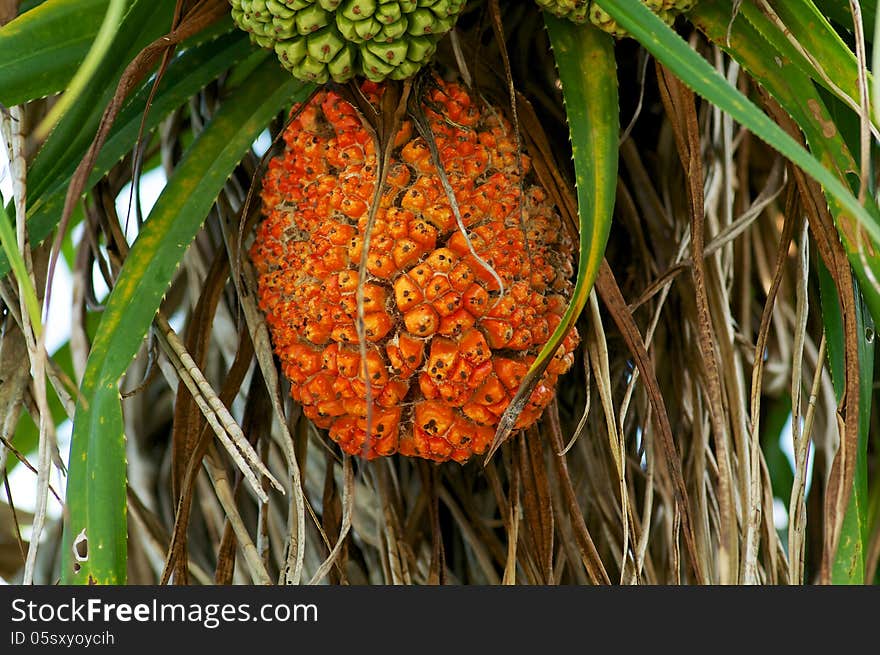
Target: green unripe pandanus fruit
(323, 40)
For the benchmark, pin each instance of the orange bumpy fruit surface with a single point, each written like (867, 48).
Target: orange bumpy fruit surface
(446, 345)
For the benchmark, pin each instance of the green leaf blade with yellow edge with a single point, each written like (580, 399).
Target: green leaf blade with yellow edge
(588, 73)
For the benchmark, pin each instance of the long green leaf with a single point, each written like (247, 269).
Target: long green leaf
(96, 482)
(805, 24)
(588, 73)
(186, 75)
(671, 50)
(42, 48)
(97, 51)
(144, 21)
(849, 562)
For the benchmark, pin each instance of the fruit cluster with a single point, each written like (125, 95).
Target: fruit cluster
(319, 40)
(452, 318)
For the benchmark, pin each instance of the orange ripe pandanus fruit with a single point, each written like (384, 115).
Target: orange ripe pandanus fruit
(453, 318)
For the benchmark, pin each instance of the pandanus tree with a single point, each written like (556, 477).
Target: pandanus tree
(436, 291)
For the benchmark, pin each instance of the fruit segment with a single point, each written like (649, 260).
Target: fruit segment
(452, 318)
